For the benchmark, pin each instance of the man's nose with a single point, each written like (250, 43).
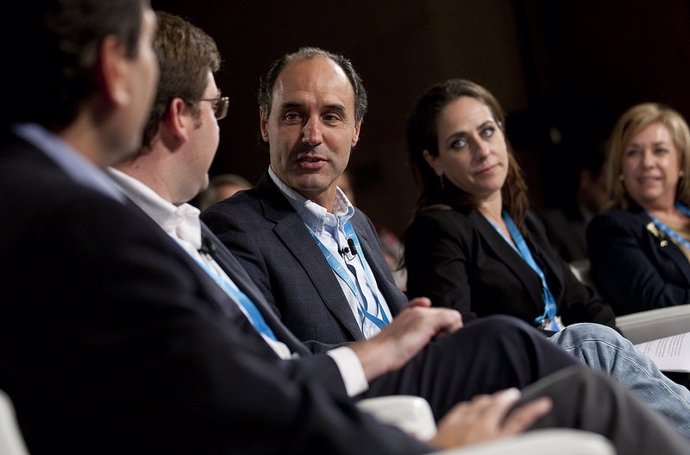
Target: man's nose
(311, 132)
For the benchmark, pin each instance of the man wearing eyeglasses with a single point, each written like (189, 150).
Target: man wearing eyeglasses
(189, 107)
(182, 134)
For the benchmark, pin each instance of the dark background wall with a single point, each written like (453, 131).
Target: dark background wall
(563, 70)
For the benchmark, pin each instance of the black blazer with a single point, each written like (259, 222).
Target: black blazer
(460, 261)
(112, 339)
(268, 237)
(634, 265)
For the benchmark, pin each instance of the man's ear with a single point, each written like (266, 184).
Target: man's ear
(263, 124)
(431, 161)
(175, 123)
(355, 137)
(114, 71)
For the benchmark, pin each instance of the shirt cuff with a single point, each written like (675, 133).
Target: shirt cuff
(350, 369)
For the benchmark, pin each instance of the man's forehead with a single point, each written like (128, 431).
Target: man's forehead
(317, 77)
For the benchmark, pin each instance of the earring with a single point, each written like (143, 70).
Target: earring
(681, 174)
(620, 177)
(443, 185)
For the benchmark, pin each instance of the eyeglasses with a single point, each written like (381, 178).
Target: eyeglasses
(219, 106)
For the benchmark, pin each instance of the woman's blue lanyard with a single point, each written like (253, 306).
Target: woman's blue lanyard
(670, 232)
(548, 320)
(347, 278)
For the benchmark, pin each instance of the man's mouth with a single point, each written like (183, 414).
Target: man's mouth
(311, 161)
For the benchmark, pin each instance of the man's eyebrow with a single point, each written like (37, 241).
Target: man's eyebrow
(339, 108)
(290, 105)
(335, 107)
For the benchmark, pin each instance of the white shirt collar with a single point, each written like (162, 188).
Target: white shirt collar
(180, 222)
(315, 216)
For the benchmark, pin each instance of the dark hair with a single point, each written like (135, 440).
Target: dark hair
(51, 47)
(267, 82)
(185, 56)
(422, 134)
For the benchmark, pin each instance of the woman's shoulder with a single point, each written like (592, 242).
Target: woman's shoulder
(614, 224)
(618, 216)
(439, 213)
(438, 218)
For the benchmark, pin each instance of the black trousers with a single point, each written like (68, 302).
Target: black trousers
(498, 352)
(486, 355)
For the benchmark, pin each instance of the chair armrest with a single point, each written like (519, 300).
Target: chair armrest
(541, 442)
(653, 324)
(411, 413)
(11, 440)
(645, 325)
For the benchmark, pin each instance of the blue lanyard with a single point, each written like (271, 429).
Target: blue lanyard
(670, 232)
(347, 278)
(237, 295)
(550, 306)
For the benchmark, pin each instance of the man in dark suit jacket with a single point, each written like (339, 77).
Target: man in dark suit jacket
(113, 338)
(289, 268)
(265, 227)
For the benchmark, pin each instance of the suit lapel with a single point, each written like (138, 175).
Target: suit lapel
(512, 260)
(239, 276)
(292, 232)
(218, 297)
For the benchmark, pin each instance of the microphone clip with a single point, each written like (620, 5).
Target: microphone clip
(350, 251)
(207, 246)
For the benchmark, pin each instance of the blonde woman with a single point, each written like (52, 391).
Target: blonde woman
(639, 249)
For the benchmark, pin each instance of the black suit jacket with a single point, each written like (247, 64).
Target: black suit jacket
(634, 265)
(113, 340)
(239, 276)
(460, 261)
(271, 241)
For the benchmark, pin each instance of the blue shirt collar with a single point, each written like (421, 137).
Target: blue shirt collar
(69, 160)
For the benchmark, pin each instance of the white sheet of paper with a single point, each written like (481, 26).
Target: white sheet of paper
(669, 353)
